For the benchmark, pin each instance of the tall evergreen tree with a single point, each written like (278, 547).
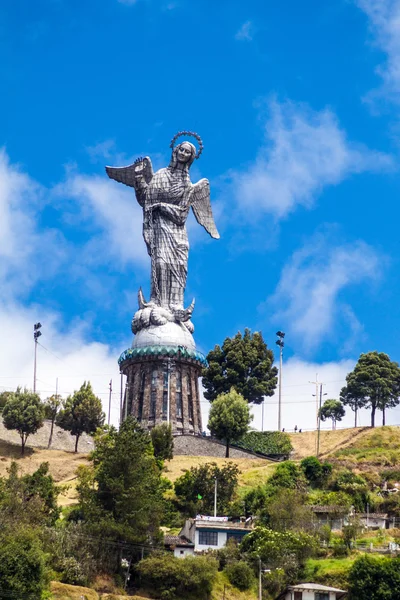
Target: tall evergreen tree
(374, 383)
(245, 363)
(82, 413)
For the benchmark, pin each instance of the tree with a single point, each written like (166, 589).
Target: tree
(229, 418)
(163, 441)
(287, 475)
(81, 413)
(316, 472)
(287, 550)
(244, 363)
(52, 406)
(195, 488)
(332, 409)
(121, 495)
(170, 578)
(375, 578)
(374, 383)
(23, 572)
(288, 511)
(23, 412)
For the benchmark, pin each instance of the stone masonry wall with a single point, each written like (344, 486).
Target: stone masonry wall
(195, 445)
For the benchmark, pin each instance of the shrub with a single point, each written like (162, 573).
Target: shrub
(266, 442)
(172, 578)
(240, 574)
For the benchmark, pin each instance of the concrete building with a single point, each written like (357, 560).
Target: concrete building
(311, 591)
(214, 532)
(334, 516)
(374, 520)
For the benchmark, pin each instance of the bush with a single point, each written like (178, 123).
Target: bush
(266, 442)
(240, 574)
(172, 578)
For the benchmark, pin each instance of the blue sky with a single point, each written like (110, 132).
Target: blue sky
(298, 107)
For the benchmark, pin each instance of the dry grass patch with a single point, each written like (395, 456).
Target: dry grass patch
(63, 591)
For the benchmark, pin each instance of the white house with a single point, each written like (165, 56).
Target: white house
(311, 591)
(179, 545)
(214, 532)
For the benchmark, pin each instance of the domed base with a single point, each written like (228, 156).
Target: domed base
(169, 334)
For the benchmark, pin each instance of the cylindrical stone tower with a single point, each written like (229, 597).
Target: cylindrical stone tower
(162, 369)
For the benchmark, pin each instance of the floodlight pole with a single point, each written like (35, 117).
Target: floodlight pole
(109, 401)
(36, 334)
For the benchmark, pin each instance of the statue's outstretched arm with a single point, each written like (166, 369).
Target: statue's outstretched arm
(138, 175)
(201, 205)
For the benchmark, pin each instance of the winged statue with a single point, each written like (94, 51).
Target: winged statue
(166, 198)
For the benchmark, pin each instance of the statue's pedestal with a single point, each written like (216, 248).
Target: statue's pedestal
(162, 369)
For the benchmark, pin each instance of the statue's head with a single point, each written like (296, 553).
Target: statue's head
(183, 153)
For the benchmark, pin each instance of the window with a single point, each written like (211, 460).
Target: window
(141, 395)
(178, 394)
(165, 393)
(298, 596)
(153, 395)
(208, 538)
(189, 397)
(321, 595)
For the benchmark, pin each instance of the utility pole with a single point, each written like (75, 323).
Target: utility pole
(319, 416)
(215, 497)
(316, 383)
(259, 580)
(109, 401)
(36, 334)
(262, 415)
(281, 344)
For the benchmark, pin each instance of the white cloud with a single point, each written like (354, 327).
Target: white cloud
(384, 16)
(113, 208)
(308, 301)
(304, 152)
(245, 33)
(69, 356)
(25, 253)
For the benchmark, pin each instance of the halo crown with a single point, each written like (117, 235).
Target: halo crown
(190, 134)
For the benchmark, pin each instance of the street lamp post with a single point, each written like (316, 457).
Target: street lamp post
(36, 335)
(281, 344)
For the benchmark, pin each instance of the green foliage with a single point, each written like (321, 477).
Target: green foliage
(375, 578)
(23, 412)
(71, 554)
(121, 495)
(244, 363)
(170, 578)
(332, 409)
(287, 550)
(28, 499)
(287, 475)
(316, 472)
(240, 574)
(200, 481)
(374, 383)
(4, 396)
(163, 441)
(229, 418)
(287, 510)
(23, 572)
(266, 442)
(81, 413)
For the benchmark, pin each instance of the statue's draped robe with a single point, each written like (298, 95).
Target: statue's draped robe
(165, 234)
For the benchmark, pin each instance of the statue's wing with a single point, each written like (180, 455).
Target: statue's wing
(127, 175)
(202, 207)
